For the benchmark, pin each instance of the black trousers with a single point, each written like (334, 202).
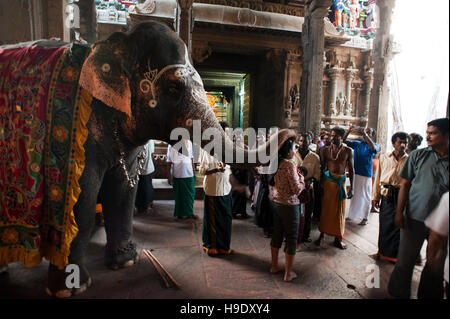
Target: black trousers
(308, 216)
(317, 200)
(145, 192)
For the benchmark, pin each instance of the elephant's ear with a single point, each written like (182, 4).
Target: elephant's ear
(104, 74)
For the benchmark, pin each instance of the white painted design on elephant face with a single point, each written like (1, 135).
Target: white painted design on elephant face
(183, 71)
(106, 67)
(145, 86)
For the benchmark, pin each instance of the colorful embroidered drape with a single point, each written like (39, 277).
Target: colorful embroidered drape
(43, 116)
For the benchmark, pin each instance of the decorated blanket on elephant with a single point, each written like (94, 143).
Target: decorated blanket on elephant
(43, 116)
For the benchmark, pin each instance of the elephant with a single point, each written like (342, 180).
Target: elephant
(130, 88)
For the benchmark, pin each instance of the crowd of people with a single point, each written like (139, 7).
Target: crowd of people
(314, 179)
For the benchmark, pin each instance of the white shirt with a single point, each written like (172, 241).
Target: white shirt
(149, 148)
(216, 184)
(438, 222)
(181, 164)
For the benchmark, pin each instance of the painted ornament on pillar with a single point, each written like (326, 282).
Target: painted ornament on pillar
(355, 17)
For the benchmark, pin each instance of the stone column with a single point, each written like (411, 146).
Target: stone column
(357, 108)
(313, 42)
(333, 73)
(349, 76)
(88, 20)
(382, 55)
(291, 99)
(185, 22)
(36, 10)
(367, 77)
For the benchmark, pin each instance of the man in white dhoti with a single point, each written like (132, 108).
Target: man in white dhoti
(363, 155)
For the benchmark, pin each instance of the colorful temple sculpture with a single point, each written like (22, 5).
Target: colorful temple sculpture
(356, 17)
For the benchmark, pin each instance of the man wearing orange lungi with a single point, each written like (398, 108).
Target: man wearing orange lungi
(335, 160)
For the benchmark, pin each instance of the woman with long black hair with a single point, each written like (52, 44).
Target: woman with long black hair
(288, 183)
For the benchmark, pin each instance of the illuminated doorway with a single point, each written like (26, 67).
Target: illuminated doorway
(229, 96)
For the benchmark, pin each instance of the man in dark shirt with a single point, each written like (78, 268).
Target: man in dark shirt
(414, 142)
(425, 179)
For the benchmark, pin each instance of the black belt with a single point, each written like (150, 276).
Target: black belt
(392, 194)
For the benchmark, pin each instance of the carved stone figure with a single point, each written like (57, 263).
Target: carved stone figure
(347, 108)
(339, 7)
(333, 110)
(341, 100)
(294, 96)
(354, 13)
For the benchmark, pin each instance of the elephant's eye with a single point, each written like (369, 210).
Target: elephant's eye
(175, 88)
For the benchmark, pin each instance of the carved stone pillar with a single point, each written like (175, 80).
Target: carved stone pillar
(357, 107)
(292, 73)
(349, 76)
(185, 22)
(313, 42)
(55, 19)
(333, 73)
(367, 77)
(88, 20)
(382, 55)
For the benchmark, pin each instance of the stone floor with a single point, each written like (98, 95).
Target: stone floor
(323, 273)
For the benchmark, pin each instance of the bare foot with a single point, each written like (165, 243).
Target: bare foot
(291, 276)
(319, 241)
(275, 270)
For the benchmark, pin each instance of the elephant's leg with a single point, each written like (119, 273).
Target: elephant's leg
(85, 218)
(118, 206)
(84, 211)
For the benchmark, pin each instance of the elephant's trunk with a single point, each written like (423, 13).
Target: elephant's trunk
(213, 139)
(216, 141)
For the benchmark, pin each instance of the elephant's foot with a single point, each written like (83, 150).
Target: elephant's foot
(57, 283)
(122, 257)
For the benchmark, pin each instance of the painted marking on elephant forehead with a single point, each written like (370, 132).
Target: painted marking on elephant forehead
(152, 76)
(106, 67)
